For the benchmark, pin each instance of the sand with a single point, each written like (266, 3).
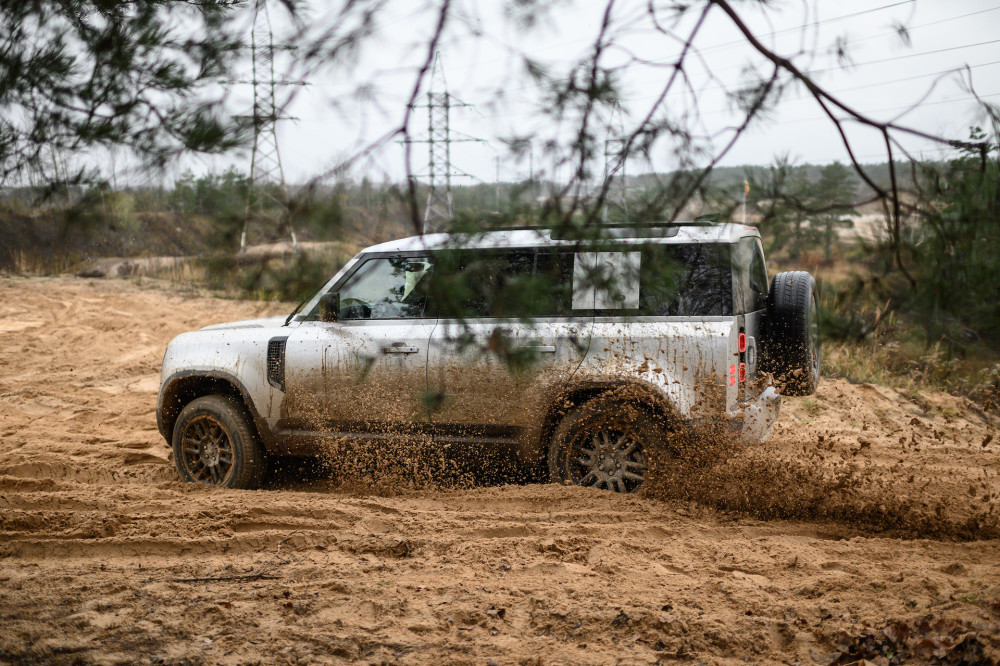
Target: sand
(890, 554)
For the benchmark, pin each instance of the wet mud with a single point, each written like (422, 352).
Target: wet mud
(845, 479)
(864, 529)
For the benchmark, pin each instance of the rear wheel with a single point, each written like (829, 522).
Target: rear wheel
(792, 343)
(214, 444)
(603, 443)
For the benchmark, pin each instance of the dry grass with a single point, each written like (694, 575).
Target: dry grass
(50, 263)
(911, 367)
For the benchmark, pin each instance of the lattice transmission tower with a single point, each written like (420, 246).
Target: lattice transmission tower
(440, 210)
(267, 193)
(615, 181)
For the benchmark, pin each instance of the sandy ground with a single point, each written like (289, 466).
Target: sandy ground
(891, 554)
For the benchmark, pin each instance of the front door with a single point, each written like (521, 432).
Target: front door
(506, 339)
(367, 370)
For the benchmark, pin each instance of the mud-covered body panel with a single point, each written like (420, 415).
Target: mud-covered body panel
(236, 354)
(685, 361)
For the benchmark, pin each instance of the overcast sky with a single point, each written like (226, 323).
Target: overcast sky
(482, 54)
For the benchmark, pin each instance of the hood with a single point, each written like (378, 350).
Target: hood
(265, 322)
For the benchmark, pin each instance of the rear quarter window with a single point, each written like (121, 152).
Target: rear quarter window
(674, 280)
(690, 280)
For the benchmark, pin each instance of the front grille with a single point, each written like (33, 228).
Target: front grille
(276, 362)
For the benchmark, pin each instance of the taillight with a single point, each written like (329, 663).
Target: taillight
(743, 342)
(743, 372)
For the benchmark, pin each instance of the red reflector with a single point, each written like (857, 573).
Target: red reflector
(743, 372)
(732, 380)
(743, 342)
(732, 369)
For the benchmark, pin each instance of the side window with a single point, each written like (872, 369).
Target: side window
(660, 280)
(387, 288)
(496, 283)
(749, 277)
(606, 281)
(687, 280)
(758, 277)
(742, 301)
(553, 280)
(514, 284)
(469, 284)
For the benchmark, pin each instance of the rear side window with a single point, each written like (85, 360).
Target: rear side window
(676, 280)
(513, 284)
(690, 280)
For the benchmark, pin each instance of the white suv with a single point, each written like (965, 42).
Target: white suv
(517, 338)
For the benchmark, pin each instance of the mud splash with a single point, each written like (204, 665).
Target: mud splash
(708, 465)
(394, 466)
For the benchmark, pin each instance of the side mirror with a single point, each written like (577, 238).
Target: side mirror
(329, 307)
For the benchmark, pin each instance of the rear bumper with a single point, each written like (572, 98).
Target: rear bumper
(759, 416)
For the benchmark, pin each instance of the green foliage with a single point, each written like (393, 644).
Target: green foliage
(214, 195)
(780, 194)
(833, 200)
(76, 75)
(293, 277)
(956, 249)
(801, 207)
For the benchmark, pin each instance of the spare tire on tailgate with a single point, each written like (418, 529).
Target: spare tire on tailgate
(791, 350)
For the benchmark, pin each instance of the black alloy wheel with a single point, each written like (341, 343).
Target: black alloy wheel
(216, 444)
(207, 451)
(610, 458)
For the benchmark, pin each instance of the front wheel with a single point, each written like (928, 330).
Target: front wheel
(603, 443)
(214, 444)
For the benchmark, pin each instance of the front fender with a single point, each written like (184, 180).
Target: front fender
(237, 356)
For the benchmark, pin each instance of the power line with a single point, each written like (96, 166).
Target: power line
(798, 28)
(907, 55)
(913, 78)
(714, 47)
(726, 45)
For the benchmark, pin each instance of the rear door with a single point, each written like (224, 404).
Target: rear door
(506, 337)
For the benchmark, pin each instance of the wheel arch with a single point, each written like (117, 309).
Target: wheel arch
(182, 387)
(648, 397)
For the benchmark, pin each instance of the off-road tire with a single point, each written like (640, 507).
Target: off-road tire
(791, 350)
(606, 425)
(206, 428)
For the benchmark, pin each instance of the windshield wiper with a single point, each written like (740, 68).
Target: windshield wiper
(295, 311)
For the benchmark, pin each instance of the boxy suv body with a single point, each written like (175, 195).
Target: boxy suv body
(517, 339)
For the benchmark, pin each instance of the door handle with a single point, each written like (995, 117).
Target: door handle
(400, 348)
(541, 349)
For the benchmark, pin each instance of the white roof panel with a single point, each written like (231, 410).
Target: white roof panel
(700, 233)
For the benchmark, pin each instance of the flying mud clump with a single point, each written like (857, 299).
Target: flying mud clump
(709, 465)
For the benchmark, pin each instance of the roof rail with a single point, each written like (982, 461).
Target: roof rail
(636, 230)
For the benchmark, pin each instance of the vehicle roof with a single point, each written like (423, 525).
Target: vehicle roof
(541, 237)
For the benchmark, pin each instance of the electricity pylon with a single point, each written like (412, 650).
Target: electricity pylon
(267, 194)
(439, 209)
(614, 162)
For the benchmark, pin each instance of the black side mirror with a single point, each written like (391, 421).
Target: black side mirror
(329, 307)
